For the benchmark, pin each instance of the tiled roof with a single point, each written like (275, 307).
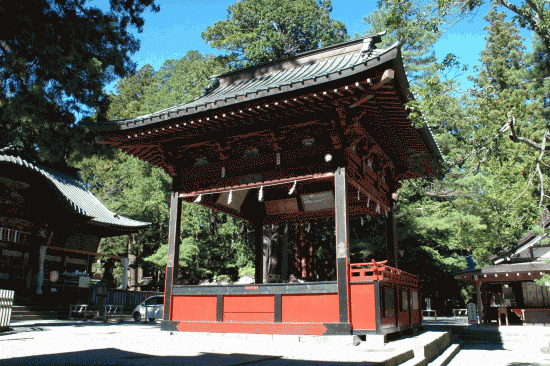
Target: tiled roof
(511, 268)
(295, 73)
(77, 196)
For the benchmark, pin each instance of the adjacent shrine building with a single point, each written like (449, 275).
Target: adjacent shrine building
(321, 134)
(50, 228)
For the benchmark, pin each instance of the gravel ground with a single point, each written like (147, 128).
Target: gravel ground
(54, 343)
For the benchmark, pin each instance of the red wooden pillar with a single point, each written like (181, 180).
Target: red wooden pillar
(173, 252)
(342, 243)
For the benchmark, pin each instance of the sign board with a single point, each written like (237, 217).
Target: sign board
(279, 207)
(232, 199)
(472, 312)
(318, 201)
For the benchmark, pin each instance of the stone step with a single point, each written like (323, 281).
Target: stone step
(21, 313)
(426, 347)
(437, 359)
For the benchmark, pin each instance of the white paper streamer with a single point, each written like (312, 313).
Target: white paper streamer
(261, 194)
(293, 188)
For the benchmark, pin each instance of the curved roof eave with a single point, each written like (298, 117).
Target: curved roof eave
(80, 200)
(259, 87)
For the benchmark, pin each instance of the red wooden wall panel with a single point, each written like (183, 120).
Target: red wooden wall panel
(193, 308)
(363, 310)
(315, 308)
(249, 304)
(257, 308)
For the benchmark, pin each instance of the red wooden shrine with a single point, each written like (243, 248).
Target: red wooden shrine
(322, 134)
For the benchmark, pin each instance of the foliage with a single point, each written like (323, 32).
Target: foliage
(530, 14)
(490, 139)
(177, 82)
(212, 245)
(55, 58)
(180, 81)
(136, 189)
(257, 31)
(417, 41)
(131, 188)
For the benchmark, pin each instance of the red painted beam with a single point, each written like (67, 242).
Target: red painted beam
(253, 328)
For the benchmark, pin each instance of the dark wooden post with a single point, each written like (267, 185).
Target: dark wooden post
(173, 252)
(342, 242)
(258, 252)
(391, 236)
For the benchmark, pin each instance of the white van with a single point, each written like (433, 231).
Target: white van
(151, 309)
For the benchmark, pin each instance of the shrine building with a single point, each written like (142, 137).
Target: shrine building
(50, 228)
(323, 134)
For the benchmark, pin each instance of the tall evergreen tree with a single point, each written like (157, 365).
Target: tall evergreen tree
(258, 31)
(417, 40)
(55, 58)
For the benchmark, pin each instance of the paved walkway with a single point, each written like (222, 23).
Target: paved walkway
(490, 345)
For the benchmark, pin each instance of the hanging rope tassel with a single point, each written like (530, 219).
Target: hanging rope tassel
(261, 194)
(198, 199)
(293, 188)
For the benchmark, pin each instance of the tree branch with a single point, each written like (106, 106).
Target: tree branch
(515, 138)
(543, 150)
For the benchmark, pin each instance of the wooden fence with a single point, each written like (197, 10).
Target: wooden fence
(6, 303)
(129, 299)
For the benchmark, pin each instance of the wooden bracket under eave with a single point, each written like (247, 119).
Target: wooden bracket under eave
(387, 77)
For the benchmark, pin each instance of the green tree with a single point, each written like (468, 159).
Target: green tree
(417, 40)
(130, 94)
(131, 188)
(258, 31)
(136, 189)
(180, 81)
(213, 245)
(491, 177)
(55, 58)
(530, 14)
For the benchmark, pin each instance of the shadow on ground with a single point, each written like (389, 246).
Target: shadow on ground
(470, 336)
(116, 357)
(39, 326)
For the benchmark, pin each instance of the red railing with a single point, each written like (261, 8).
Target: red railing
(379, 271)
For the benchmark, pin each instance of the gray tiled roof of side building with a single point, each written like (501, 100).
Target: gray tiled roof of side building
(78, 197)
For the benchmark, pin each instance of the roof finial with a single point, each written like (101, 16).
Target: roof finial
(214, 83)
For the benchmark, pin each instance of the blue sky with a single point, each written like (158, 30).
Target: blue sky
(177, 29)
